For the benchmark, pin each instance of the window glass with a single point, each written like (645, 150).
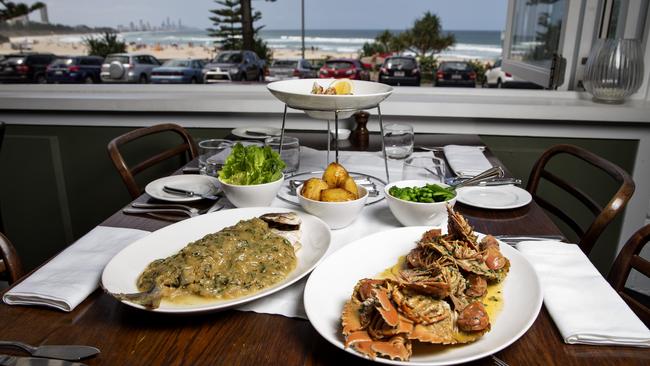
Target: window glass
(455, 66)
(120, 59)
(229, 57)
(177, 63)
(284, 63)
(336, 65)
(63, 62)
(397, 62)
(306, 64)
(536, 31)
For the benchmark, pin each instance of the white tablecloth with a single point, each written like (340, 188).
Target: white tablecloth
(374, 218)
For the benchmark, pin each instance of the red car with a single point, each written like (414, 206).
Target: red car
(343, 68)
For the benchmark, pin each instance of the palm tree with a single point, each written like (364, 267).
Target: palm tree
(14, 10)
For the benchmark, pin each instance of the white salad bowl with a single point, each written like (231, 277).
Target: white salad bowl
(410, 213)
(254, 195)
(335, 214)
(297, 94)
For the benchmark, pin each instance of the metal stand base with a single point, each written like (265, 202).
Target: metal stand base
(336, 132)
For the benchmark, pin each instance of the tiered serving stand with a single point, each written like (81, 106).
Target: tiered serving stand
(296, 94)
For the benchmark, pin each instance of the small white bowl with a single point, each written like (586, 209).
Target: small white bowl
(336, 214)
(344, 133)
(418, 213)
(254, 195)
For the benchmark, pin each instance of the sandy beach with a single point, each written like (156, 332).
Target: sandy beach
(59, 45)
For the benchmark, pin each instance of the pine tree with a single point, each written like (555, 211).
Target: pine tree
(227, 21)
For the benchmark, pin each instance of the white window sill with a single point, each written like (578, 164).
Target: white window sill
(254, 98)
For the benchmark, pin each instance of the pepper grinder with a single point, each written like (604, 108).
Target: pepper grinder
(360, 134)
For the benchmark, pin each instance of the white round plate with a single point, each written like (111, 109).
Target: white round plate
(201, 184)
(332, 282)
(121, 273)
(494, 197)
(267, 131)
(297, 94)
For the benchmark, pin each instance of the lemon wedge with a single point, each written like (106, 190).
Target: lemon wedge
(343, 87)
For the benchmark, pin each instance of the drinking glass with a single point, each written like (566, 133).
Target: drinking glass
(427, 168)
(398, 140)
(290, 151)
(212, 155)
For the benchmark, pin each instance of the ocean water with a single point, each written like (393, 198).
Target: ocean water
(469, 44)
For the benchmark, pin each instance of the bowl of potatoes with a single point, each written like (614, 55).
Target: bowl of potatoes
(335, 197)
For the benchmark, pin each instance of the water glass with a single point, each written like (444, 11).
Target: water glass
(290, 151)
(212, 155)
(398, 140)
(427, 168)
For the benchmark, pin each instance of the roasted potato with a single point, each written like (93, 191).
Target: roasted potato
(335, 175)
(350, 186)
(312, 188)
(336, 195)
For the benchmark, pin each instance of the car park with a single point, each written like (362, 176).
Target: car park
(75, 69)
(25, 67)
(344, 68)
(128, 68)
(495, 77)
(400, 70)
(234, 66)
(291, 69)
(455, 73)
(187, 71)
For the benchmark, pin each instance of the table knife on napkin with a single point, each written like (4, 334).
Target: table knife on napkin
(6, 360)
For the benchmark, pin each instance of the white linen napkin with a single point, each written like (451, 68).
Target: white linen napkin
(466, 161)
(66, 280)
(583, 305)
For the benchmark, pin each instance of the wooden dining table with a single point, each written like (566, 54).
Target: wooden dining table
(129, 336)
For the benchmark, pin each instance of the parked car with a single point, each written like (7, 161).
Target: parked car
(75, 69)
(25, 67)
(497, 78)
(290, 69)
(400, 70)
(344, 68)
(128, 68)
(186, 71)
(455, 73)
(234, 66)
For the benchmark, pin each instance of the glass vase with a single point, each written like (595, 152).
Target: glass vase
(614, 70)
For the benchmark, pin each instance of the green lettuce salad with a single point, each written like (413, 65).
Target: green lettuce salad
(247, 165)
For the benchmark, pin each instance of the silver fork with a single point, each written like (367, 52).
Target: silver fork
(498, 361)
(512, 240)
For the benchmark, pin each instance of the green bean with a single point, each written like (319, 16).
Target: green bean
(428, 193)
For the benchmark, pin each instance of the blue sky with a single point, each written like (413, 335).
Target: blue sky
(285, 14)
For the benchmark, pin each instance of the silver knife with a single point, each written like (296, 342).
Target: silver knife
(63, 352)
(6, 360)
(185, 192)
(493, 182)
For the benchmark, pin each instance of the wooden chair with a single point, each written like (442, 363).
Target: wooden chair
(11, 269)
(187, 149)
(2, 137)
(627, 259)
(602, 215)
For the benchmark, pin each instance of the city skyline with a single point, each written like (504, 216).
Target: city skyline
(284, 14)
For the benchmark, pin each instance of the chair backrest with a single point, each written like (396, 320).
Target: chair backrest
(186, 149)
(11, 269)
(627, 259)
(602, 215)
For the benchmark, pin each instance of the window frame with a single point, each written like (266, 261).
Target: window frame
(571, 25)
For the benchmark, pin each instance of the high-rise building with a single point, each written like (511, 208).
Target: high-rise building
(44, 18)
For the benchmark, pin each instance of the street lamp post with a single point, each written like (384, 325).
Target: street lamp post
(302, 11)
